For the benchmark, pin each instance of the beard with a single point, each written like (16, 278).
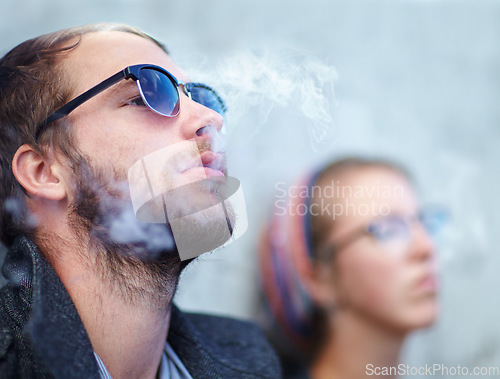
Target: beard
(137, 261)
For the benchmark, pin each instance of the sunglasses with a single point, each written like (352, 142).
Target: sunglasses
(158, 88)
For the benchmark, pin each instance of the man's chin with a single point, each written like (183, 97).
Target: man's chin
(199, 214)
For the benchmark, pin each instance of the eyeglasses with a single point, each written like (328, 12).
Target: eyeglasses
(393, 232)
(158, 88)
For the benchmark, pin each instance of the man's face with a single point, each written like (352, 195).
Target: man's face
(111, 128)
(115, 133)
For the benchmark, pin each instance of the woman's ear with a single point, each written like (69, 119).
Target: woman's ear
(38, 175)
(320, 284)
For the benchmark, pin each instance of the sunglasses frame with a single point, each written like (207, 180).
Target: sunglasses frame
(130, 72)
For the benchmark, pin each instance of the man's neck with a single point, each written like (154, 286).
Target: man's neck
(130, 342)
(129, 336)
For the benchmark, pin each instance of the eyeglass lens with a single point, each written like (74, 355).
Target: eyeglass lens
(395, 226)
(206, 96)
(161, 93)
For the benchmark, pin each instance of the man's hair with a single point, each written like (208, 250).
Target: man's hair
(32, 86)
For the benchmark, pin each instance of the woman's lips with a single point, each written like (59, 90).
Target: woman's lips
(428, 283)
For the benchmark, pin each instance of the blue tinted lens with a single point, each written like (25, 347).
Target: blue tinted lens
(204, 95)
(433, 220)
(159, 92)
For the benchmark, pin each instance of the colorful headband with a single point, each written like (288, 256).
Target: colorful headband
(285, 255)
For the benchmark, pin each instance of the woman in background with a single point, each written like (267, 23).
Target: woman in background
(348, 269)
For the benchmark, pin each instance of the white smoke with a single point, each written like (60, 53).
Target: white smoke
(254, 82)
(126, 229)
(15, 208)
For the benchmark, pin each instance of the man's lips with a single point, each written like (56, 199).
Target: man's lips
(212, 164)
(207, 171)
(209, 158)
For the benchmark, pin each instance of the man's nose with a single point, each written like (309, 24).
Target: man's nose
(197, 119)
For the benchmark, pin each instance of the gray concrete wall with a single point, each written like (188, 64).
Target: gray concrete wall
(417, 81)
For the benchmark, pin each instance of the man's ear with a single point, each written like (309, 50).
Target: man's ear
(38, 175)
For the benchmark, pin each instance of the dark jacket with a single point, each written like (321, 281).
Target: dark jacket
(42, 336)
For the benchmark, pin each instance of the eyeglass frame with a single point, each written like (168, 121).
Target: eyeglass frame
(129, 72)
(364, 230)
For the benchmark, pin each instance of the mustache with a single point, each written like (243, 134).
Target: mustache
(204, 144)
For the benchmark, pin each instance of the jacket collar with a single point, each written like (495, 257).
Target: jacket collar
(53, 324)
(61, 342)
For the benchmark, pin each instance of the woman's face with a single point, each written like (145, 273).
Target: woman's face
(387, 276)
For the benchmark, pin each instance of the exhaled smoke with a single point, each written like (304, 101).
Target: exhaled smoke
(253, 83)
(216, 141)
(125, 229)
(15, 207)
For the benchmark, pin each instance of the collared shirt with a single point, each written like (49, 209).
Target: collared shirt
(171, 366)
